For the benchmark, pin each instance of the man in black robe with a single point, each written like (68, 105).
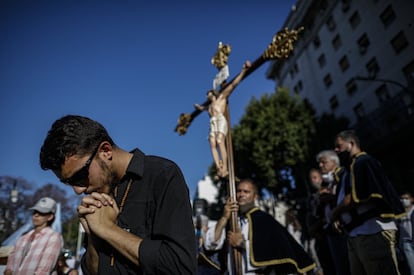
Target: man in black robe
(266, 246)
(367, 208)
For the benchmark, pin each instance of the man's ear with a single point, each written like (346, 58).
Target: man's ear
(106, 150)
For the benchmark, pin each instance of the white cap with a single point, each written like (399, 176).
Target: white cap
(45, 205)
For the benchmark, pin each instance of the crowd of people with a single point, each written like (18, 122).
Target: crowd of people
(357, 222)
(138, 218)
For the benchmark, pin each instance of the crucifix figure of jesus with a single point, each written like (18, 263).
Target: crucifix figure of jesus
(218, 122)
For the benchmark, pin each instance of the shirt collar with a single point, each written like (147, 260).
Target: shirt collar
(135, 167)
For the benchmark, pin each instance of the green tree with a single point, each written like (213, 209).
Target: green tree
(70, 230)
(274, 134)
(14, 195)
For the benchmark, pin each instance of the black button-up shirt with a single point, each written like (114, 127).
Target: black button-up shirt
(158, 210)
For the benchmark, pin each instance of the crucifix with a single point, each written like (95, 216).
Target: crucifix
(218, 109)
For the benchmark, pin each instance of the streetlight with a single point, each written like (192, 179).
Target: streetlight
(14, 193)
(14, 198)
(407, 96)
(374, 79)
(8, 218)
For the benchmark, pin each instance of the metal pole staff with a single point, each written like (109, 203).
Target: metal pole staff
(231, 187)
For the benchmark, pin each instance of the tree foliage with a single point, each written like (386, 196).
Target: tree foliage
(13, 211)
(70, 231)
(273, 134)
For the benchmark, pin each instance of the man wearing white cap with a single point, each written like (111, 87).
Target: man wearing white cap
(36, 252)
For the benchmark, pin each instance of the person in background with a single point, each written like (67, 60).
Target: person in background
(135, 210)
(333, 176)
(265, 245)
(367, 206)
(293, 225)
(37, 251)
(62, 267)
(208, 260)
(315, 222)
(406, 226)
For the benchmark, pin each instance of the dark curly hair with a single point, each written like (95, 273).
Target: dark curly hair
(214, 92)
(71, 135)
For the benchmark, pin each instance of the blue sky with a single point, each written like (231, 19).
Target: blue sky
(134, 66)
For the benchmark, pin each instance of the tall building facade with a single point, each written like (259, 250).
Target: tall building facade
(356, 59)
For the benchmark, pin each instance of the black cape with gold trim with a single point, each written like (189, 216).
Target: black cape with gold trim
(369, 183)
(273, 247)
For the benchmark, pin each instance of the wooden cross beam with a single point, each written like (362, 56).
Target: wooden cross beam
(280, 47)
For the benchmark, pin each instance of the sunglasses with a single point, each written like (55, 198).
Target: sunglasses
(80, 176)
(35, 212)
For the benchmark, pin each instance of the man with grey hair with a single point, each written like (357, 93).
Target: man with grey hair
(328, 162)
(333, 175)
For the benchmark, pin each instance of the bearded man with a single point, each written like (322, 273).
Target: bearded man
(266, 246)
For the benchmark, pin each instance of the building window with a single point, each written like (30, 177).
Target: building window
(383, 93)
(359, 111)
(372, 67)
(327, 80)
(343, 63)
(387, 16)
(331, 23)
(337, 42)
(346, 4)
(363, 43)
(316, 42)
(399, 42)
(322, 60)
(296, 68)
(351, 87)
(333, 102)
(298, 87)
(408, 71)
(354, 20)
(294, 71)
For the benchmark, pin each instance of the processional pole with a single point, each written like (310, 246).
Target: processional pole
(231, 187)
(281, 47)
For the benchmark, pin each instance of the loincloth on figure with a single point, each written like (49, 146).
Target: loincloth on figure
(218, 124)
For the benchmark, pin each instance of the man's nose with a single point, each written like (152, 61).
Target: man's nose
(78, 190)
